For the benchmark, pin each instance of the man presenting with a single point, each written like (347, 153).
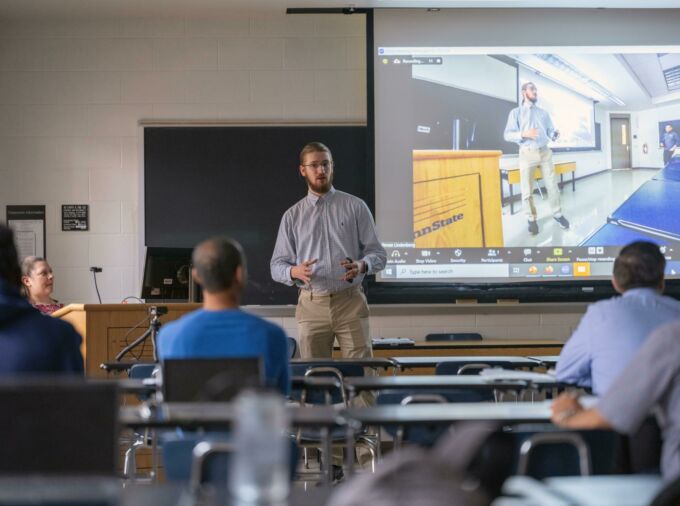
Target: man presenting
(669, 142)
(532, 129)
(325, 245)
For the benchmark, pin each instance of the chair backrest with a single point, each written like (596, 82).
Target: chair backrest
(454, 336)
(58, 426)
(555, 439)
(208, 379)
(426, 435)
(292, 347)
(391, 397)
(339, 371)
(543, 451)
(471, 366)
(141, 371)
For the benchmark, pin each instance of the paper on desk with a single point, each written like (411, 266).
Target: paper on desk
(497, 373)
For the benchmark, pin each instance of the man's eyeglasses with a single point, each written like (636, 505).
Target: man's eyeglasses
(315, 165)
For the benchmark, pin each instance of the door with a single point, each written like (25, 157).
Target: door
(620, 143)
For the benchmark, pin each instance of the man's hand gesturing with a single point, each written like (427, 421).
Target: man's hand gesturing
(303, 272)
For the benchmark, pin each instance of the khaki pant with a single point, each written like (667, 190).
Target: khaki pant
(529, 159)
(322, 319)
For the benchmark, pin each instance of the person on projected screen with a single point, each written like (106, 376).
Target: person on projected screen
(532, 129)
(669, 142)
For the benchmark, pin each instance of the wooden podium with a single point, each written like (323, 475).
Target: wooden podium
(457, 199)
(108, 328)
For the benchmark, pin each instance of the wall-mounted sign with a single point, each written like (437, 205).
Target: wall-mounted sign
(75, 217)
(28, 223)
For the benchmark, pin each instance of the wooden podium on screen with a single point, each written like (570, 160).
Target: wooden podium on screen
(457, 199)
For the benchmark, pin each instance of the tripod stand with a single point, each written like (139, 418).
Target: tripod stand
(154, 325)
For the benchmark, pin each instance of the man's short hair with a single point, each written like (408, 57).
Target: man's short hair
(639, 265)
(526, 85)
(314, 147)
(10, 272)
(216, 260)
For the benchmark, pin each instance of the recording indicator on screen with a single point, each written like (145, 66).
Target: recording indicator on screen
(411, 60)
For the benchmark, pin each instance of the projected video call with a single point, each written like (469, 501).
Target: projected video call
(539, 163)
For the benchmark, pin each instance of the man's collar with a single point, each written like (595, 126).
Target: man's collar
(639, 290)
(314, 198)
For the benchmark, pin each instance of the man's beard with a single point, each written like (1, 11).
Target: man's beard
(320, 186)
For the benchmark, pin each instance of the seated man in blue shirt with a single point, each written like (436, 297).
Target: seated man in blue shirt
(31, 343)
(612, 331)
(649, 385)
(221, 329)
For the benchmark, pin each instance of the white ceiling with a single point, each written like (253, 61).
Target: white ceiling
(135, 8)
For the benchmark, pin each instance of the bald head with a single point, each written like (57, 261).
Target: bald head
(216, 263)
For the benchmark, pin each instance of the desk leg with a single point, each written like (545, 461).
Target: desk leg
(561, 181)
(573, 181)
(349, 457)
(154, 456)
(328, 455)
(512, 199)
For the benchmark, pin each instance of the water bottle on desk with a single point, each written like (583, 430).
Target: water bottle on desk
(259, 468)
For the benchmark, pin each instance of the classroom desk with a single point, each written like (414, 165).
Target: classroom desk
(511, 347)
(613, 234)
(546, 360)
(375, 362)
(444, 414)
(511, 175)
(628, 490)
(356, 385)
(217, 415)
(137, 386)
(649, 208)
(124, 366)
(221, 416)
(84, 490)
(508, 362)
(414, 414)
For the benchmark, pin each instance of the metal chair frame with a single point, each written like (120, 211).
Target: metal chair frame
(369, 441)
(544, 438)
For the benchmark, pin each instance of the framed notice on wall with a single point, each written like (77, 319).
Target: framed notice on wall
(75, 217)
(28, 223)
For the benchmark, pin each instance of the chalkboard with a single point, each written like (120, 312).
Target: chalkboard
(201, 181)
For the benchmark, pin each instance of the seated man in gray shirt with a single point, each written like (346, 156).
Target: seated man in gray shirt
(649, 385)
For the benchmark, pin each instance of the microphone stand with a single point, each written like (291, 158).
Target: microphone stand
(154, 326)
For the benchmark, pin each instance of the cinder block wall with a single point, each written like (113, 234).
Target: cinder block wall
(71, 96)
(72, 93)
